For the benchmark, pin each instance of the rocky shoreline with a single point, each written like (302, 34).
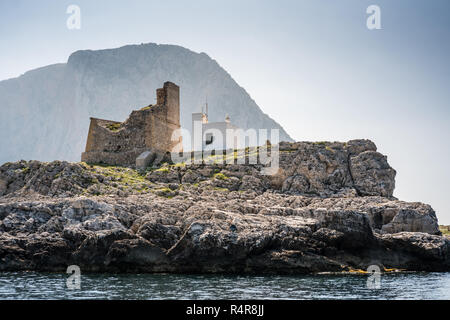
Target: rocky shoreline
(330, 207)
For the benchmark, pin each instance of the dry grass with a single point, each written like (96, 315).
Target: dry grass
(445, 230)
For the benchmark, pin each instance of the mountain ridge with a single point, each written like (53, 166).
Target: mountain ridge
(45, 111)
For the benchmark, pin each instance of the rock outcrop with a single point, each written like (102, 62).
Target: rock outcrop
(329, 207)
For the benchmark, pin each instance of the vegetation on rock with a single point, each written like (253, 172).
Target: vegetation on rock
(113, 126)
(322, 211)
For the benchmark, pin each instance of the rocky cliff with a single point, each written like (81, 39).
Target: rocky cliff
(328, 208)
(45, 112)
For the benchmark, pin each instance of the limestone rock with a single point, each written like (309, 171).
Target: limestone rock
(359, 146)
(329, 207)
(372, 175)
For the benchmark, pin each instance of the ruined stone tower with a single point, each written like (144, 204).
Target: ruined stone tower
(147, 129)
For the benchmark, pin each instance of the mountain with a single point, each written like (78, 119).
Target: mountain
(45, 112)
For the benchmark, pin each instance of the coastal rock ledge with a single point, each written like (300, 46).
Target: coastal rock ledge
(329, 208)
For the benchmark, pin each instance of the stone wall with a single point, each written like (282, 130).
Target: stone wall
(150, 128)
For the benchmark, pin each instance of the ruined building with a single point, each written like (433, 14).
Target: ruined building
(146, 134)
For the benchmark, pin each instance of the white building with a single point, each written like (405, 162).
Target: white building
(214, 135)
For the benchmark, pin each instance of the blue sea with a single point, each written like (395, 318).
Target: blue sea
(32, 285)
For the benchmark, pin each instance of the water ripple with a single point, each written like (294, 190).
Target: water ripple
(32, 285)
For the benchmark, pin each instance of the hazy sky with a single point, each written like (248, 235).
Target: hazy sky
(311, 65)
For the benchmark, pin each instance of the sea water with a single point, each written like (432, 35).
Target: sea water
(32, 285)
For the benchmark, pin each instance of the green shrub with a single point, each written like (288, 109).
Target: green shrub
(113, 126)
(220, 176)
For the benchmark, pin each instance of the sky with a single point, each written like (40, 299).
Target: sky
(313, 66)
